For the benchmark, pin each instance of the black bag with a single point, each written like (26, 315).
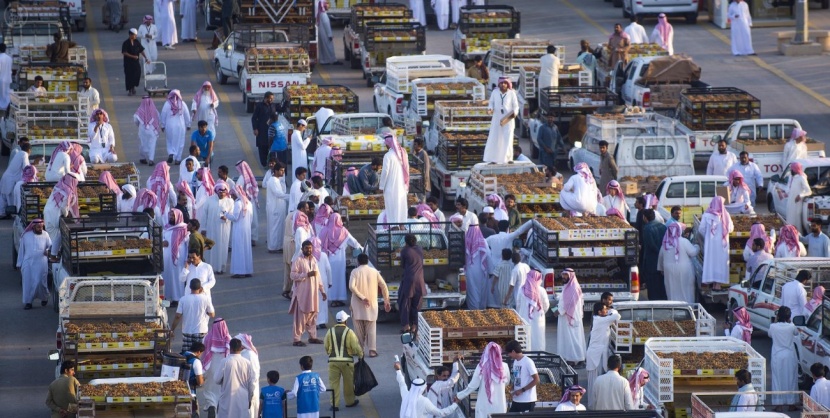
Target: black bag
(364, 379)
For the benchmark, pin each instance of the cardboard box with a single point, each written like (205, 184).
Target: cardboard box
(629, 187)
(723, 192)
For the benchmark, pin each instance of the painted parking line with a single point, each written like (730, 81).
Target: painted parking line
(241, 136)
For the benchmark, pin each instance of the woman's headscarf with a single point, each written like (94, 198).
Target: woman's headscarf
(207, 181)
(672, 238)
(742, 319)
(816, 300)
(29, 174)
(247, 342)
(175, 100)
(106, 178)
(64, 146)
(251, 186)
(392, 143)
(409, 404)
(663, 28)
(67, 188)
(496, 198)
(789, 236)
(31, 226)
(758, 230)
(217, 341)
(614, 185)
(334, 234)
(99, 111)
(585, 172)
(491, 368)
(566, 396)
(147, 113)
(301, 221)
(148, 19)
(736, 174)
(530, 290)
(321, 218)
(198, 97)
(716, 208)
(506, 80)
(241, 195)
(476, 243)
(796, 168)
(425, 211)
(179, 233)
(146, 198)
(159, 183)
(614, 212)
(636, 381)
(571, 295)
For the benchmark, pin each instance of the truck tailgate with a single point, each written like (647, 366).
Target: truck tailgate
(261, 83)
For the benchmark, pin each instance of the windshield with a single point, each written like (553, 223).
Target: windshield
(656, 314)
(819, 179)
(44, 151)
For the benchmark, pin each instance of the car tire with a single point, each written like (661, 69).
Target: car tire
(221, 78)
(4, 150)
(355, 62)
(249, 106)
(14, 258)
(369, 82)
(691, 18)
(770, 203)
(730, 317)
(617, 3)
(346, 55)
(626, 15)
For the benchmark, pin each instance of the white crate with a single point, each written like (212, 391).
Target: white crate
(661, 386)
(622, 331)
(400, 71)
(431, 340)
(474, 91)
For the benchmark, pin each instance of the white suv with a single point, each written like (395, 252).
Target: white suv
(640, 8)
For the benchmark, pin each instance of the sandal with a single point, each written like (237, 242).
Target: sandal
(299, 344)
(286, 295)
(373, 353)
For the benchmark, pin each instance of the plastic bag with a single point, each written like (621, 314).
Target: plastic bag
(364, 379)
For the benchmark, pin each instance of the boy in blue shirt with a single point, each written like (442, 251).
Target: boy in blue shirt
(203, 138)
(271, 397)
(307, 389)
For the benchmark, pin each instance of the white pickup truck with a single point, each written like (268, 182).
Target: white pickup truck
(642, 145)
(816, 205)
(637, 85)
(395, 88)
(262, 59)
(764, 140)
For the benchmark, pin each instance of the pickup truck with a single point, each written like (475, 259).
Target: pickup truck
(26, 28)
(478, 25)
(382, 40)
(485, 179)
(611, 268)
(368, 12)
(443, 247)
(263, 58)
(718, 405)
(742, 136)
(816, 205)
(814, 342)
(395, 88)
(642, 144)
(426, 92)
(761, 294)
(655, 83)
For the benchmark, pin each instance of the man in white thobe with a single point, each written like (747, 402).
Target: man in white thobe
(394, 181)
(218, 229)
(413, 402)
(752, 174)
(187, 10)
(418, 12)
(720, 160)
(442, 13)
(204, 106)
(175, 242)
(714, 229)
(299, 157)
(60, 164)
(532, 304)
(90, 93)
(5, 79)
(33, 262)
(275, 207)
(675, 261)
(101, 139)
(821, 386)
(167, 24)
(504, 108)
(467, 216)
(746, 400)
(794, 294)
(12, 175)
(637, 33)
(250, 353)
(503, 239)
(738, 14)
(549, 70)
(440, 393)
(148, 34)
(570, 335)
(242, 262)
(238, 381)
(795, 148)
(596, 356)
(174, 119)
(195, 268)
(326, 40)
(321, 157)
(613, 391)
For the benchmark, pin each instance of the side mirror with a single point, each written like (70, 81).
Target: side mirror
(746, 284)
(776, 178)
(716, 138)
(799, 321)
(578, 144)
(406, 338)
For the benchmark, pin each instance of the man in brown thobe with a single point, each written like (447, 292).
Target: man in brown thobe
(364, 283)
(618, 44)
(304, 302)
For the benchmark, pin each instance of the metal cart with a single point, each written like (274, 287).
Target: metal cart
(155, 81)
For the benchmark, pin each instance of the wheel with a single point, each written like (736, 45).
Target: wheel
(80, 25)
(4, 150)
(625, 13)
(355, 62)
(14, 258)
(691, 18)
(249, 106)
(346, 55)
(617, 3)
(405, 371)
(730, 317)
(221, 78)
(770, 203)
(369, 82)
(375, 102)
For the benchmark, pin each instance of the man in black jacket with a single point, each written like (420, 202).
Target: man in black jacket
(259, 123)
